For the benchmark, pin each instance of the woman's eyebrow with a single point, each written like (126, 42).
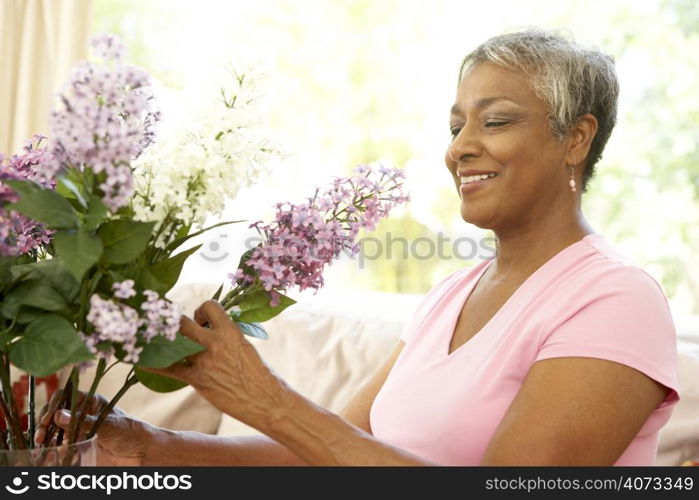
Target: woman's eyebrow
(483, 103)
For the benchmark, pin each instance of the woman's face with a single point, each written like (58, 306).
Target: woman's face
(500, 129)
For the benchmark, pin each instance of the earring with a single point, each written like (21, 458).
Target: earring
(571, 183)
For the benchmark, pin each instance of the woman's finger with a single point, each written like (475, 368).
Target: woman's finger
(191, 330)
(212, 313)
(48, 411)
(40, 434)
(200, 318)
(62, 420)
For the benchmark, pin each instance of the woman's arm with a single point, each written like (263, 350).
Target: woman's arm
(574, 411)
(192, 448)
(166, 447)
(124, 440)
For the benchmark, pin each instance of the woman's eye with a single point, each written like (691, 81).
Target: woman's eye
(495, 124)
(455, 131)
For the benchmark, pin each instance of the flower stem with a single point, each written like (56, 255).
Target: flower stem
(9, 407)
(72, 431)
(66, 400)
(130, 381)
(32, 410)
(99, 373)
(231, 298)
(9, 421)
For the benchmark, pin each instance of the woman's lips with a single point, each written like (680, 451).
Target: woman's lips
(476, 185)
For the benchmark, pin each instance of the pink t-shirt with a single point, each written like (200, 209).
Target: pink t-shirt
(588, 300)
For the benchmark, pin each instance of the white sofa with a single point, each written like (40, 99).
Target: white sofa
(328, 345)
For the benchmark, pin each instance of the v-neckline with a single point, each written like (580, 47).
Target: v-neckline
(462, 302)
(463, 298)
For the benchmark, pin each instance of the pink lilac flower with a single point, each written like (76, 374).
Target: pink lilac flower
(124, 289)
(91, 342)
(304, 238)
(105, 119)
(121, 324)
(114, 323)
(162, 317)
(108, 47)
(19, 234)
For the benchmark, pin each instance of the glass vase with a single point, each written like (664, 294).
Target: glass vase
(82, 453)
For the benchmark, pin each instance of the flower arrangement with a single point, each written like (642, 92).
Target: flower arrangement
(92, 221)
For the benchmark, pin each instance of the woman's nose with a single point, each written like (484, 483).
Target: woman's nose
(464, 146)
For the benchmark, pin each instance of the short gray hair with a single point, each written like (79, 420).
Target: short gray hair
(570, 78)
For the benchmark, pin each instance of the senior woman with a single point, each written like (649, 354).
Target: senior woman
(558, 351)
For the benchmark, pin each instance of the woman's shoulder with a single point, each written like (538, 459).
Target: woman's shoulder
(608, 269)
(611, 308)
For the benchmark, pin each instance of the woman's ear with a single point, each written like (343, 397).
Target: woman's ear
(580, 138)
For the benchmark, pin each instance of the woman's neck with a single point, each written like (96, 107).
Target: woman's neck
(520, 252)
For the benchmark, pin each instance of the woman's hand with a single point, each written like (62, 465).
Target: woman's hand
(230, 373)
(121, 440)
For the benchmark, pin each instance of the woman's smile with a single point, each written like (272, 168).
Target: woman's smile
(472, 183)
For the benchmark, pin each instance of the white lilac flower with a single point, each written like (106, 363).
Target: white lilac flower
(191, 171)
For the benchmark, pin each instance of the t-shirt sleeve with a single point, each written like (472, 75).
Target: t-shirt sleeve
(626, 320)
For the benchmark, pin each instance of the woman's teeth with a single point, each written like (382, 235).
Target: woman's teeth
(474, 178)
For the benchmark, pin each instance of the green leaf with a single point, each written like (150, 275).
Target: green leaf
(80, 250)
(217, 295)
(5, 339)
(52, 271)
(48, 344)
(66, 187)
(6, 264)
(254, 306)
(34, 293)
(243, 263)
(183, 231)
(168, 271)
(28, 314)
(143, 278)
(161, 352)
(43, 205)
(124, 240)
(96, 213)
(254, 330)
(180, 240)
(158, 383)
(87, 178)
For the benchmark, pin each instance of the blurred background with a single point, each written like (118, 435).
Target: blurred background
(352, 82)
